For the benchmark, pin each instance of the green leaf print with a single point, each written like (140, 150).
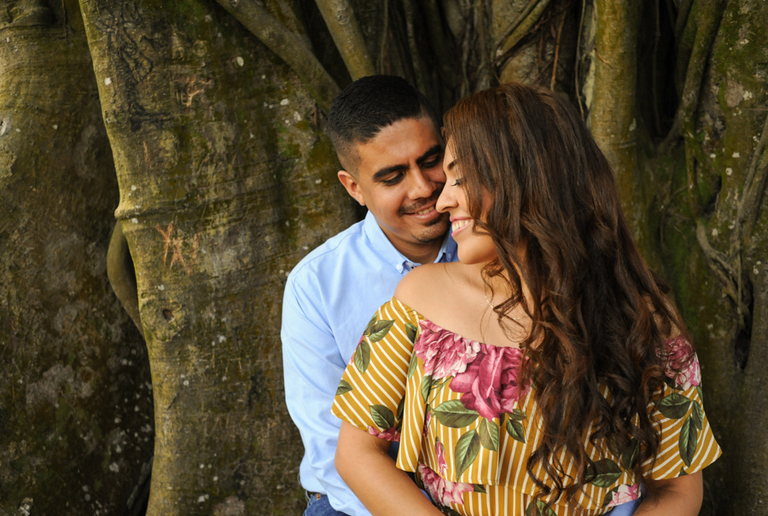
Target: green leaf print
(466, 452)
(426, 383)
(370, 324)
(363, 356)
(410, 332)
(603, 473)
(454, 414)
(343, 388)
(682, 472)
(515, 429)
(674, 406)
(609, 496)
(630, 453)
(382, 416)
(688, 441)
(700, 392)
(479, 488)
(489, 434)
(380, 330)
(412, 365)
(698, 416)
(517, 415)
(538, 508)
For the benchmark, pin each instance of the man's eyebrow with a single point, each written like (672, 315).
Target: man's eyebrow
(381, 174)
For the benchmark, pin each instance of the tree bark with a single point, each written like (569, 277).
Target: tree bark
(224, 183)
(722, 170)
(75, 399)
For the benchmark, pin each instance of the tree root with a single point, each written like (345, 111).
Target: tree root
(517, 30)
(289, 47)
(729, 269)
(340, 19)
(122, 276)
(707, 22)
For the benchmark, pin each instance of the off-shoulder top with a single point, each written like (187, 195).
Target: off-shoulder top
(466, 427)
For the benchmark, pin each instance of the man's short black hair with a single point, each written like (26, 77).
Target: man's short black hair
(370, 104)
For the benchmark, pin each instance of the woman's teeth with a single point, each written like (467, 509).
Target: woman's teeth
(459, 224)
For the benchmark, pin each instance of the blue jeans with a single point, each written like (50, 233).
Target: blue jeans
(625, 509)
(318, 505)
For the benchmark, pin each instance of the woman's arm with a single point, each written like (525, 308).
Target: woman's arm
(363, 463)
(679, 496)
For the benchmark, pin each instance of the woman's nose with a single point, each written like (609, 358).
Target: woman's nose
(446, 201)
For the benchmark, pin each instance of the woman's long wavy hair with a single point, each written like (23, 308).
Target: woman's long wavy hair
(600, 317)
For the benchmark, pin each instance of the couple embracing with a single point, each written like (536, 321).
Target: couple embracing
(521, 359)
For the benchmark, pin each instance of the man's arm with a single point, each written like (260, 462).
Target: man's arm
(312, 369)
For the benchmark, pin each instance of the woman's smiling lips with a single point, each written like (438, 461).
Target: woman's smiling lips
(459, 223)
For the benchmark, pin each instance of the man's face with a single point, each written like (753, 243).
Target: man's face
(398, 175)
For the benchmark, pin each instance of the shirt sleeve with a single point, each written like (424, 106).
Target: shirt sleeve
(312, 367)
(687, 444)
(372, 391)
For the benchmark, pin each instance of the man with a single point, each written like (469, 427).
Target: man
(386, 136)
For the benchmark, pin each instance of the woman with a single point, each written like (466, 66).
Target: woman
(544, 373)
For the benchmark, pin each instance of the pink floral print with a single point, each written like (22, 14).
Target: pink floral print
(681, 364)
(440, 454)
(490, 383)
(441, 490)
(444, 353)
(625, 494)
(390, 434)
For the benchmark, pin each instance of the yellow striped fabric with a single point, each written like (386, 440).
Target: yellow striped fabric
(386, 391)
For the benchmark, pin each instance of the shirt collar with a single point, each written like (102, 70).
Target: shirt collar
(389, 254)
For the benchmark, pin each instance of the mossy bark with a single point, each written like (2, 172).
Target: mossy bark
(224, 183)
(689, 189)
(75, 398)
(719, 146)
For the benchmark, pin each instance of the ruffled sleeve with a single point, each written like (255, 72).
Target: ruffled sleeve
(372, 391)
(687, 442)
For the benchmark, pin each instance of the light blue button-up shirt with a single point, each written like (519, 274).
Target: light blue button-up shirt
(329, 298)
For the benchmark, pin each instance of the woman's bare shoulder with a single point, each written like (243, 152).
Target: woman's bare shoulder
(423, 283)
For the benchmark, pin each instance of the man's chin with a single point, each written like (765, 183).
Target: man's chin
(433, 231)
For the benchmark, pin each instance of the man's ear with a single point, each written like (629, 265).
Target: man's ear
(351, 185)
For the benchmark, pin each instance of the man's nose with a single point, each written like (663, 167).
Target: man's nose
(420, 186)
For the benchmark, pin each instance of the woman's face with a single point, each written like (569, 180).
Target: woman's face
(473, 247)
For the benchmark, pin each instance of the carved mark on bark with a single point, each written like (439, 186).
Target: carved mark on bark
(128, 49)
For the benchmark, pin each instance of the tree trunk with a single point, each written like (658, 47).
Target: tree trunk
(716, 243)
(75, 398)
(695, 203)
(224, 182)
